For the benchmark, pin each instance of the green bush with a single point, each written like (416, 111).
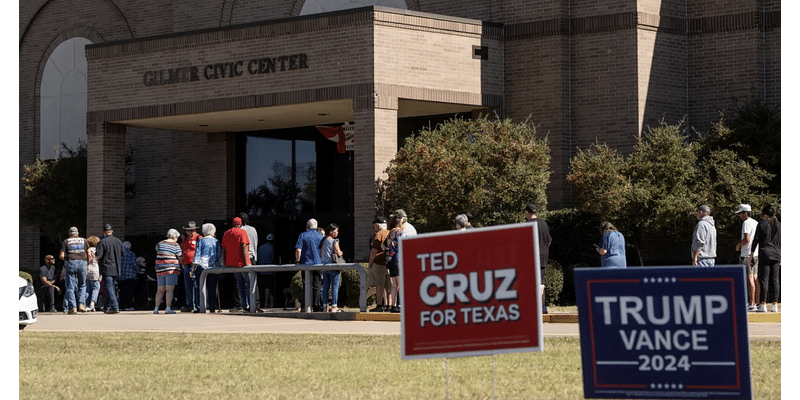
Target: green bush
(554, 281)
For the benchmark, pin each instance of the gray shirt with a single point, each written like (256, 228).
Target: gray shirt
(705, 238)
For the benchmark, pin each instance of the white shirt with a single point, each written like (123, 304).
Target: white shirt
(748, 226)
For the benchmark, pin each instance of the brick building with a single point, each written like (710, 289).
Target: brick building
(219, 100)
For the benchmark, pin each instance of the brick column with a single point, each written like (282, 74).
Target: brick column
(375, 145)
(105, 175)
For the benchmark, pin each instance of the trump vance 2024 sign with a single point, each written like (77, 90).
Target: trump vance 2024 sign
(668, 332)
(469, 293)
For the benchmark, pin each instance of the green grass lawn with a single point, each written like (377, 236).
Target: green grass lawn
(285, 366)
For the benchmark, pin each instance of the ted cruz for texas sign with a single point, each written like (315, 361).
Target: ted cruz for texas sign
(470, 293)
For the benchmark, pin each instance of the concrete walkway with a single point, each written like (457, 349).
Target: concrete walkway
(146, 321)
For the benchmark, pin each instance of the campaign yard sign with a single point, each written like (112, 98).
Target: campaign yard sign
(666, 332)
(470, 293)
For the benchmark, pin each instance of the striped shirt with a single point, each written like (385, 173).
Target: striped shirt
(168, 255)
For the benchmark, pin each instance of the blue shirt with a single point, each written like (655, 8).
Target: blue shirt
(308, 243)
(129, 267)
(614, 243)
(208, 253)
(266, 253)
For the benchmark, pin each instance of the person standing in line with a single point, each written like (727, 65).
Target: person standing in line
(142, 296)
(188, 247)
(93, 276)
(462, 222)
(266, 280)
(168, 268)
(328, 247)
(397, 222)
(306, 252)
(768, 241)
(109, 255)
(208, 255)
(236, 254)
(749, 226)
(612, 247)
(127, 277)
(252, 252)
(544, 245)
(378, 273)
(47, 273)
(75, 251)
(704, 239)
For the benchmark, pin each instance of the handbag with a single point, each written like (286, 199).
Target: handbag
(337, 258)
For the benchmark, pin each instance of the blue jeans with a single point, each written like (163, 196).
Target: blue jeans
(330, 283)
(189, 285)
(76, 283)
(211, 291)
(196, 286)
(110, 283)
(93, 289)
(243, 284)
(705, 262)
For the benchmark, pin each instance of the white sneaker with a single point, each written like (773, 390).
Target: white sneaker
(774, 308)
(752, 307)
(762, 308)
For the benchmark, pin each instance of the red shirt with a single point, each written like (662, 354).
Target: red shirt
(232, 242)
(188, 247)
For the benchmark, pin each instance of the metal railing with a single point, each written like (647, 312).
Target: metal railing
(307, 275)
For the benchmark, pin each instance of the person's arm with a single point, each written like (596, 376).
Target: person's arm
(745, 240)
(246, 253)
(297, 253)
(337, 249)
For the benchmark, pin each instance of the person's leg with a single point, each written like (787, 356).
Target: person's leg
(326, 286)
(243, 289)
(112, 304)
(774, 282)
(188, 286)
(316, 286)
(81, 275)
(169, 290)
(159, 296)
(72, 286)
(763, 282)
(335, 279)
(211, 292)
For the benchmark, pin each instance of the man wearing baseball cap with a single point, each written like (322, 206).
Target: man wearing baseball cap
(236, 253)
(748, 232)
(704, 239)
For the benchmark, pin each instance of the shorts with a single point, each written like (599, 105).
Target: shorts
(394, 268)
(379, 276)
(750, 268)
(167, 280)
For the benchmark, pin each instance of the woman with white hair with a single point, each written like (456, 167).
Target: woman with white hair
(208, 255)
(168, 267)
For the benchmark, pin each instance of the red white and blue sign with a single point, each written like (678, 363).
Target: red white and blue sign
(470, 293)
(664, 332)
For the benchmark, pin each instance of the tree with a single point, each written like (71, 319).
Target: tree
(753, 132)
(663, 181)
(487, 168)
(54, 193)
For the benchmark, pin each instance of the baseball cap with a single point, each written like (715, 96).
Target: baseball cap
(744, 207)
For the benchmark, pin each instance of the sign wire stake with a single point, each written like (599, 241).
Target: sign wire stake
(447, 374)
(493, 376)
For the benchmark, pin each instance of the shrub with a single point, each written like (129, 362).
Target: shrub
(554, 281)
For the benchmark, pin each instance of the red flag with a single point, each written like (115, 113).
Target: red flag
(335, 133)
